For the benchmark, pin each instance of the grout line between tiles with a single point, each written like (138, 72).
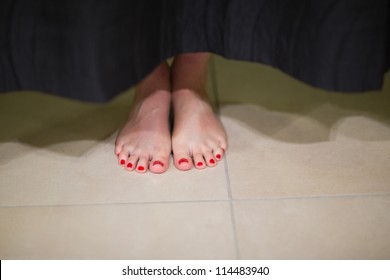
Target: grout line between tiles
(230, 199)
(231, 207)
(116, 204)
(314, 197)
(228, 185)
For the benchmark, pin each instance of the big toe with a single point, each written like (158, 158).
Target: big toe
(159, 165)
(182, 161)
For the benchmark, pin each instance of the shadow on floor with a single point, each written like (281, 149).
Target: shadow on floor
(43, 121)
(319, 124)
(276, 105)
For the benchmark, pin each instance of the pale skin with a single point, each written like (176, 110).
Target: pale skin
(198, 139)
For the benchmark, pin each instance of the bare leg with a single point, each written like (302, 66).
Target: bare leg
(199, 138)
(144, 141)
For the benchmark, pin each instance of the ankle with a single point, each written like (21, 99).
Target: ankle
(155, 103)
(189, 102)
(157, 80)
(189, 71)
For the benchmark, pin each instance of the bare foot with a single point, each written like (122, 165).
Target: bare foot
(198, 138)
(144, 141)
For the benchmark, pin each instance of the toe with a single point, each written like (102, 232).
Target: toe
(142, 164)
(122, 157)
(182, 161)
(218, 153)
(199, 161)
(131, 162)
(118, 149)
(209, 158)
(159, 165)
(130, 166)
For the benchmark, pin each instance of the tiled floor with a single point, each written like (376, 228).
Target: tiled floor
(306, 176)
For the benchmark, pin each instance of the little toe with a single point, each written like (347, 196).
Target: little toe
(182, 162)
(158, 165)
(218, 153)
(118, 149)
(199, 161)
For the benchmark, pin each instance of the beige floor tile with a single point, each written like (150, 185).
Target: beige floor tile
(57, 151)
(324, 228)
(42, 177)
(294, 155)
(138, 231)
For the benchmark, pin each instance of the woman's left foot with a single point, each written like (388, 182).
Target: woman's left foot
(198, 138)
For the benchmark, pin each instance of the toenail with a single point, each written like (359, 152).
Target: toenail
(183, 160)
(158, 162)
(117, 154)
(218, 156)
(212, 161)
(223, 150)
(199, 164)
(122, 162)
(129, 165)
(141, 168)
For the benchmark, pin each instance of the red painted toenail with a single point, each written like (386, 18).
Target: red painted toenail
(218, 156)
(129, 165)
(117, 154)
(223, 150)
(199, 164)
(122, 162)
(141, 168)
(158, 163)
(212, 161)
(183, 160)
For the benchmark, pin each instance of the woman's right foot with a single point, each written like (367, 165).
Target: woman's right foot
(144, 142)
